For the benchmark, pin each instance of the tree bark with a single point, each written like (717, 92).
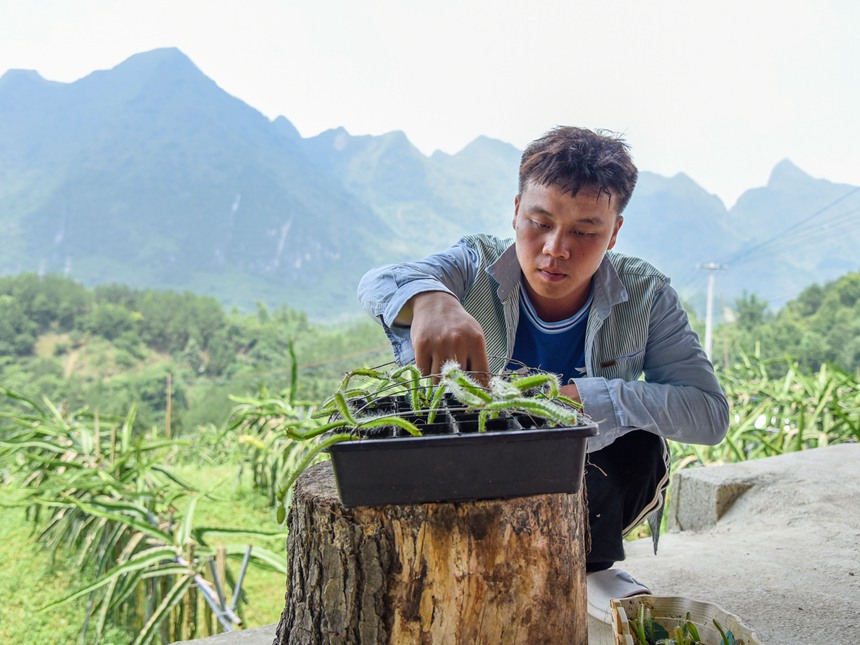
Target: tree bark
(487, 571)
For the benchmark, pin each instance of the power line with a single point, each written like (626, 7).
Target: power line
(746, 252)
(692, 281)
(845, 226)
(822, 232)
(798, 233)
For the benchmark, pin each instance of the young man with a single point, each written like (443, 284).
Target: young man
(559, 300)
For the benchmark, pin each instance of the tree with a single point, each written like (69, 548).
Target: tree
(751, 311)
(18, 333)
(48, 300)
(110, 321)
(821, 325)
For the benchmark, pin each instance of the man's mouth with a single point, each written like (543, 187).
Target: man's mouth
(550, 273)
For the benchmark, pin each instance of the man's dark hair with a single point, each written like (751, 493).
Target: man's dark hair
(576, 158)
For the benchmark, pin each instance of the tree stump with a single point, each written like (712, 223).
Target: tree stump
(487, 571)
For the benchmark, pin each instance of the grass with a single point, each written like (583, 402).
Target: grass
(241, 507)
(30, 580)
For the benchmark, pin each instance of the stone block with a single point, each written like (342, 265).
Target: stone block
(701, 496)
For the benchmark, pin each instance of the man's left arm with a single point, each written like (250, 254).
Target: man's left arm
(680, 399)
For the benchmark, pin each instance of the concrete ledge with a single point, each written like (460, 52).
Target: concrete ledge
(700, 497)
(257, 636)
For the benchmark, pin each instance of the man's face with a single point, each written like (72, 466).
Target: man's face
(560, 242)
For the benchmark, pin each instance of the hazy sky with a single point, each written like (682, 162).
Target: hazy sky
(719, 90)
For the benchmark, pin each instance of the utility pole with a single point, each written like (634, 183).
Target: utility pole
(709, 312)
(169, 406)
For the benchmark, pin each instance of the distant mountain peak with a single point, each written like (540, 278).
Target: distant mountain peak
(166, 61)
(785, 174)
(487, 144)
(393, 142)
(21, 74)
(340, 138)
(23, 77)
(158, 59)
(161, 55)
(397, 138)
(162, 77)
(480, 150)
(335, 138)
(680, 183)
(684, 179)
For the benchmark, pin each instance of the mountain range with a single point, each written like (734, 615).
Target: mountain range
(149, 174)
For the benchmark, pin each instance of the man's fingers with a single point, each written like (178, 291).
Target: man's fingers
(443, 330)
(438, 361)
(430, 364)
(481, 369)
(424, 362)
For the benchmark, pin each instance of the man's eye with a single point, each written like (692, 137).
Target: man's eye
(537, 224)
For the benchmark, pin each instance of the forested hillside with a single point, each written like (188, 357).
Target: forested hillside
(821, 325)
(112, 346)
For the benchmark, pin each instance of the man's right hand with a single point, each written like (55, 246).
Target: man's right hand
(442, 330)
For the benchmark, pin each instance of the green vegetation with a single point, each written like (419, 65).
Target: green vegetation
(144, 434)
(791, 378)
(778, 407)
(103, 498)
(648, 631)
(35, 577)
(112, 347)
(822, 325)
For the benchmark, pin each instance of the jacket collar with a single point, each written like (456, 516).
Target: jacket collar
(609, 290)
(506, 272)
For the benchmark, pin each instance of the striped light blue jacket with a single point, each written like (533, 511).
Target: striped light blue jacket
(636, 327)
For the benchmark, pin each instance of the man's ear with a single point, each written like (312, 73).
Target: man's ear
(618, 222)
(516, 210)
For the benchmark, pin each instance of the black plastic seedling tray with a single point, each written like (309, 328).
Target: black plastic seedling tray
(461, 464)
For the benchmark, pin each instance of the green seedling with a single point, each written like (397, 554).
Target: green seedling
(647, 631)
(363, 400)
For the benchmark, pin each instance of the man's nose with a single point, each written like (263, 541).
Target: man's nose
(554, 245)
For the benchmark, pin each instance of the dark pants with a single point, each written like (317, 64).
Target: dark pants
(621, 481)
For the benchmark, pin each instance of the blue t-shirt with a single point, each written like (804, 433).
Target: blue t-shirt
(557, 347)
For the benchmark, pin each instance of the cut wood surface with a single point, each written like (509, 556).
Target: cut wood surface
(487, 571)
